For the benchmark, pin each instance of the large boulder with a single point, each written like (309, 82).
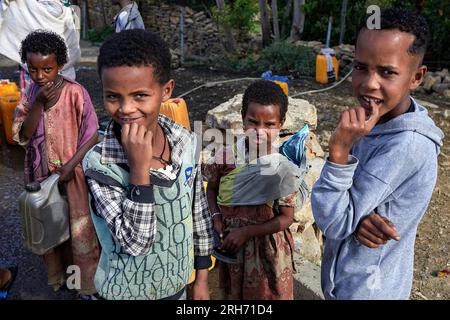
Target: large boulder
(228, 115)
(315, 169)
(313, 148)
(303, 217)
(309, 244)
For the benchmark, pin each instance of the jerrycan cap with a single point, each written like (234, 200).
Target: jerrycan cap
(33, 186)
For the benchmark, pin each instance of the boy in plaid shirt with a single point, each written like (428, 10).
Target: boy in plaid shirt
(147, 198)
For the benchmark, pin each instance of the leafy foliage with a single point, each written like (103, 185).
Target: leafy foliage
(100, 35)
(281, 57)
(437, 13)
(239, 15)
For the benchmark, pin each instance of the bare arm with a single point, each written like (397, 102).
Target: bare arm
(66, 171)
(238, 237)
(274, 225)
(31, 122)
(211, 194)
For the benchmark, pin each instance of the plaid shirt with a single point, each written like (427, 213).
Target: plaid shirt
(130, 215)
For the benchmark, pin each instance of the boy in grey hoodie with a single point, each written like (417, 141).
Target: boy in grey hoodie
(382, 166)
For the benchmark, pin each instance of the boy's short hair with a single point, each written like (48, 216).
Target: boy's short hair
(44, 42)
(405, 21)
(136, 47)
(265, 92)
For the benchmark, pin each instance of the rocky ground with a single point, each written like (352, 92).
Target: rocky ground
(432, 246)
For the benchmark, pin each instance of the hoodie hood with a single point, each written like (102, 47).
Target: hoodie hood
(417, 121)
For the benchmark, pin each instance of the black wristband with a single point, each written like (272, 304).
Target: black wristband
(141, 193)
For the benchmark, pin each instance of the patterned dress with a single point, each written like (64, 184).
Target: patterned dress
(62, 130)
(267, 267)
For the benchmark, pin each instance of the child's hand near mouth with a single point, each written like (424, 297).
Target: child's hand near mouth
(353, 125)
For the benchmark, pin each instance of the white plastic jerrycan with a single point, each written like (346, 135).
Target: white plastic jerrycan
(45, 216)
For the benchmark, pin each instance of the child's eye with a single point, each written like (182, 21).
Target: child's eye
(111, 97)
(358, 67)
(387, 72)
(47, 69)
(141, 95)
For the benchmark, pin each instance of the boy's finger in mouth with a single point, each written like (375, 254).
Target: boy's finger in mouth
(369, 104)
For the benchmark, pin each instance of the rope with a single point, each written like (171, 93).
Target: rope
(214, 83)
(324, 89)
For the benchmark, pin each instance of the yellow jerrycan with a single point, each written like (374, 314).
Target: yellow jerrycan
(176, 109)
(327, 66)
(9, 99)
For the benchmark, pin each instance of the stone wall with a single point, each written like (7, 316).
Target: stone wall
(438, 82)
(101, 13)
(201, 36)
(345, 53)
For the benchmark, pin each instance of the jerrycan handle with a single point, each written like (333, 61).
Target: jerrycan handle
(33, 186)
(49, 183)
(52, 180)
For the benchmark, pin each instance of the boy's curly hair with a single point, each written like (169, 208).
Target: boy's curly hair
(405, 21)
(136, 47)
(44, 42)
(265, 92)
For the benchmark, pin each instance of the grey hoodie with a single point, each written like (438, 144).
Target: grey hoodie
(393, 171)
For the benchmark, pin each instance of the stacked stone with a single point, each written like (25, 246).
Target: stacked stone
(201, 36)
(345, 53)
(438, 82)
(307, 237)
(101, 14)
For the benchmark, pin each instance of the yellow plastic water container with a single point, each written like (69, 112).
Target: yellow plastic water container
(7, 88)
(283, 86)
(176, 109)
(9, 99)
(282, 81)
(322, 75)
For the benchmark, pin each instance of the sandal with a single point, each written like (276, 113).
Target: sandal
(4, 290)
